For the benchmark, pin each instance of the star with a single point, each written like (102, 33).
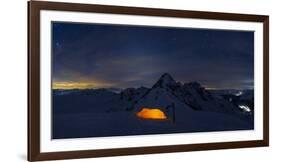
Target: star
(58, 44)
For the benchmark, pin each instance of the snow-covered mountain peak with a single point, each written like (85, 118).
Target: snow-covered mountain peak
(164, 81)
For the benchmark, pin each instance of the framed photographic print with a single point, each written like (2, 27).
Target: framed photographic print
(112, 80)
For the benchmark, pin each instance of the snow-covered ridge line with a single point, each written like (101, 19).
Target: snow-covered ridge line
(167, 91)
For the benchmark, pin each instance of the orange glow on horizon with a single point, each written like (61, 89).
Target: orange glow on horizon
(79, 85)
(151, 113)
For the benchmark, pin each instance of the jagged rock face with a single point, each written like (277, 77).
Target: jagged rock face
(128, 94)
(200, 99)
(132, 95)
(167, 93)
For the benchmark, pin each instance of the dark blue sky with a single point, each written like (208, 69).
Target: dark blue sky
(96, 56)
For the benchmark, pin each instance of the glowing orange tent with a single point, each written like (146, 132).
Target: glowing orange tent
(151, 113)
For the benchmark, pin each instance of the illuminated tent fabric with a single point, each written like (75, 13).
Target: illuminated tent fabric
(151, 113)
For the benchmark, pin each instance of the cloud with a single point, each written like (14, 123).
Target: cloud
(124, 56)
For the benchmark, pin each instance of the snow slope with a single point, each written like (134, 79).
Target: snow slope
(189, 108)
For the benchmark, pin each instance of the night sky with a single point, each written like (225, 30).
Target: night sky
(121, 56)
